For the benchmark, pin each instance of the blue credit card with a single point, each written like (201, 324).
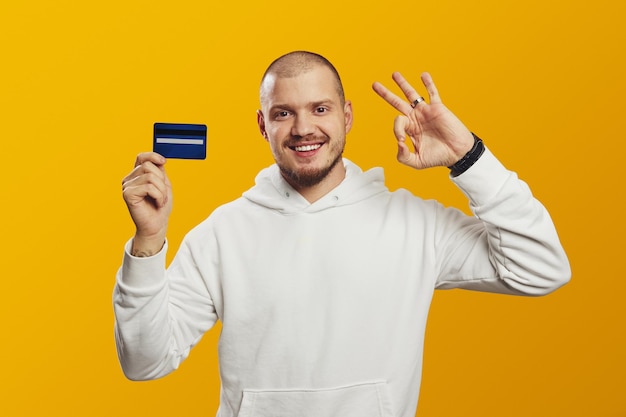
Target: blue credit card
(178, 140)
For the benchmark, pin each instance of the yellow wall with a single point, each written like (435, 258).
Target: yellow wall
(82, 82)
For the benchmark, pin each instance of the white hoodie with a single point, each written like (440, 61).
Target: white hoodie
(323, 306)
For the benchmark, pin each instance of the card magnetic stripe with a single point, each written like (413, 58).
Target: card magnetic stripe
(181, 134)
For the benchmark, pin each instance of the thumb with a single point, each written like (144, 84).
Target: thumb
(399, 130)
(404, 154)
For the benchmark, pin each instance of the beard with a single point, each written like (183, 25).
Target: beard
(308, 177)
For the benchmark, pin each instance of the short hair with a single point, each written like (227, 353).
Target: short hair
(297, 62)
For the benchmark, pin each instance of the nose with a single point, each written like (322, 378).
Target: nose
(302, 126)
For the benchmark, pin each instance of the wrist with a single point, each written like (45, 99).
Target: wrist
(143, 247)
(469, 158)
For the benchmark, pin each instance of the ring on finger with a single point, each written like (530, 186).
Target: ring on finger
(417, 101)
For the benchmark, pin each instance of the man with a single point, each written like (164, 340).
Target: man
(322, 278)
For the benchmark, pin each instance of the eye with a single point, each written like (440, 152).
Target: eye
(321, 110)
(281, 114)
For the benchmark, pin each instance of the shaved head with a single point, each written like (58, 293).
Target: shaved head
(295, 63)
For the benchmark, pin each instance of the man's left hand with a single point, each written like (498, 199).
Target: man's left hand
(439, 138)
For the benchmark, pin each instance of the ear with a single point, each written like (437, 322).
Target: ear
(347, 111)
(260, 119)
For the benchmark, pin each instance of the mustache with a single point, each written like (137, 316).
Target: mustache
(295, 141)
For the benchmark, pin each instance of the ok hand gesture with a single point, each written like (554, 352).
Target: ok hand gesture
(439, 138)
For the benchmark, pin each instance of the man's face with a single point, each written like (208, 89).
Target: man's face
(305, 124)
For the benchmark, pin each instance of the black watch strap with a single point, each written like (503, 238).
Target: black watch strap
(469, 159)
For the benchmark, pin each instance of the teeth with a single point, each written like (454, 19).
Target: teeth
(307, 148)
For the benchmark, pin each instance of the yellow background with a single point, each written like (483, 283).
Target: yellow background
(543, 82)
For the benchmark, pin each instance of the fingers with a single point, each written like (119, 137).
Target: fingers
(407, 89)
(152, 157)
(144, 171)
(146, 180)
(409, 92)
(135, 194)
(396, 102)
(428, 82)
(404, 155)
(400, 125)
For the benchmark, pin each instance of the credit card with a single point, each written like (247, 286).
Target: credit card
(179, 140)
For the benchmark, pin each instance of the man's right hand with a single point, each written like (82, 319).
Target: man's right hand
(148, 194)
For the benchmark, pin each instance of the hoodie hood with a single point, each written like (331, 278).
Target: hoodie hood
(273, 192)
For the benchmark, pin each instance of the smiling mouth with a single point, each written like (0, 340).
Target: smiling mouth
(306, 148)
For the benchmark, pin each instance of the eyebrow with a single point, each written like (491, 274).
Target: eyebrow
(325, 102)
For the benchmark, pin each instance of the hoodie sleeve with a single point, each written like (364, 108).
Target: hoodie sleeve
(159, 314)
(511, 246)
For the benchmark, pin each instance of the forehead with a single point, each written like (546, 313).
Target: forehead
(316, 84)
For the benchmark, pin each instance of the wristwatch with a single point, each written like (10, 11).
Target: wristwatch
(469, 158)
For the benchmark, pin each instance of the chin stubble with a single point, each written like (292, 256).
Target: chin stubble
(309, 177)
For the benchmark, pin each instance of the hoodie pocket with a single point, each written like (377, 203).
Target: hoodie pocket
(369, 399)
